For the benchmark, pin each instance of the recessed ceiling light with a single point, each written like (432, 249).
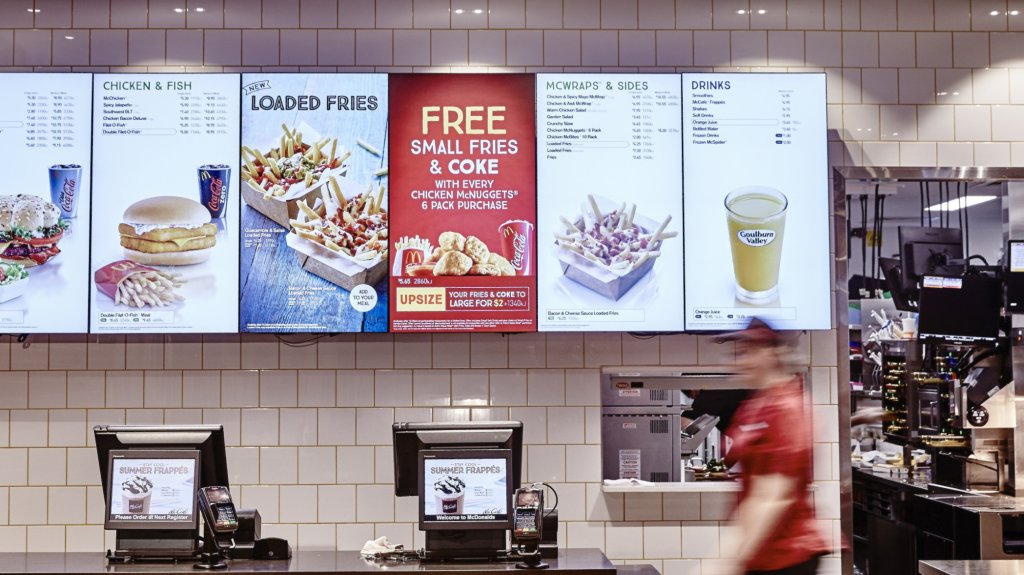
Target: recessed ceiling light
(1014, 12)
(478, 11)
(761, 11)
(179, 10)
(941, 93)
(741, 11)
(960, 203)
(459, 10)
(34, 10)
(994, 13)
(69, 37)
(200, 9)
(956, 93)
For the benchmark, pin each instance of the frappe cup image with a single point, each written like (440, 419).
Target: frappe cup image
(756, 217)
(136, 493)
(449, 495)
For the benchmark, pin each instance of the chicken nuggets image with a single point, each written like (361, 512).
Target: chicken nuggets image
(453, 263)
(503, 266)
(484, 270)
(452, 242)
(477, 250)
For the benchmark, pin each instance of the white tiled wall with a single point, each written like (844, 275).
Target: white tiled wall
(911, 82)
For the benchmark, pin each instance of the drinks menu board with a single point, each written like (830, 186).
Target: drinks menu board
(609, 170)
(464, 202)
(314, 255)
(165, 241)
(757, 218)
(44, 207)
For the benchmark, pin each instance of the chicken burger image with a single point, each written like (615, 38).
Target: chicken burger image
(167, 230)
(30, 228)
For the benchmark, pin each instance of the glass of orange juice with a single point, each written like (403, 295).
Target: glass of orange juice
(757, 222)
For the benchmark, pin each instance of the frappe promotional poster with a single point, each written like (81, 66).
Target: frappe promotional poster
(45, 123)
(314, 254)
(464, 490)
(152, 489)
(165, 246)
(756, 200)
(463, 235)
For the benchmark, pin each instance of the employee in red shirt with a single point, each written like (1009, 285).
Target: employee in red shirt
(771, 441)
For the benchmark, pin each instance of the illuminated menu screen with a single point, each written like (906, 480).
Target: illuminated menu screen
(165, 243)
(44, 206)
(610, 205)
(463, 203)
(315, 203)
(756, 200)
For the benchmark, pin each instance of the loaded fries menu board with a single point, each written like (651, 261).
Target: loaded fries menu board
(44, 206)
(610, 185)
(165, 243)
(464, 204)
(314, 255)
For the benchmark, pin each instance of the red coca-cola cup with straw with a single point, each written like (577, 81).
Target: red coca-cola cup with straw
(517, 245)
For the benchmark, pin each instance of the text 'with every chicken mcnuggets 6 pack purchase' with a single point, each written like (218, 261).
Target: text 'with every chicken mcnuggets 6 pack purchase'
(264, 202)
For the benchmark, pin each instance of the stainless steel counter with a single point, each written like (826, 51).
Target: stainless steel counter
(981, 567)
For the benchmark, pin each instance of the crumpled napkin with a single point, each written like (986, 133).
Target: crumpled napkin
(627, 482)
(379, 547)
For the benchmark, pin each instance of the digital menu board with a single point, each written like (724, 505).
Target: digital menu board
(756, 200)
(44, 208)
(610, 202)
(463, 238)
(314, 254)
(165, 240)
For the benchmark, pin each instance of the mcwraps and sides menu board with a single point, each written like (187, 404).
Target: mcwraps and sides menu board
(44, 207)
(165, 241)
(610, 217)
(314, 254)
(463, 238)
(756, 200)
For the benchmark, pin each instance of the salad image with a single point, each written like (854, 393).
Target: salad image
(13, 281)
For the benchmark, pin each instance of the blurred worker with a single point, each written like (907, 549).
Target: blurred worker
(771, 438)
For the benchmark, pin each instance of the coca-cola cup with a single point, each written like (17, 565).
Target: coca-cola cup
(517, 245)
(65, 181)
(213, 188)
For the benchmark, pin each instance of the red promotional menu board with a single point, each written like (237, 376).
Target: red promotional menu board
(463, 203)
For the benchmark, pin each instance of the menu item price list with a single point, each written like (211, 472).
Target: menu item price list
(579, 121)
(718, 108)
(202, 114)
(49, 119)
(142, 109)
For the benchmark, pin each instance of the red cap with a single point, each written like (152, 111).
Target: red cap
(757, 332)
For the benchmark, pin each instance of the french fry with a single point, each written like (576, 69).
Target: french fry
(300, 224)
(334, 148)
(381, 173)
(307, 210)
(593, 206)
(368, 147)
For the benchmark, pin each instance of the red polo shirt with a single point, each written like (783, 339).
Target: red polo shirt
(771, 434)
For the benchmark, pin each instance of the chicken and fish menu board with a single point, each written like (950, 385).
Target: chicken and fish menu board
(165, 243)
(45, 124)
(314, 253)
(463, 237)
(610, 217)
(756, 200)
